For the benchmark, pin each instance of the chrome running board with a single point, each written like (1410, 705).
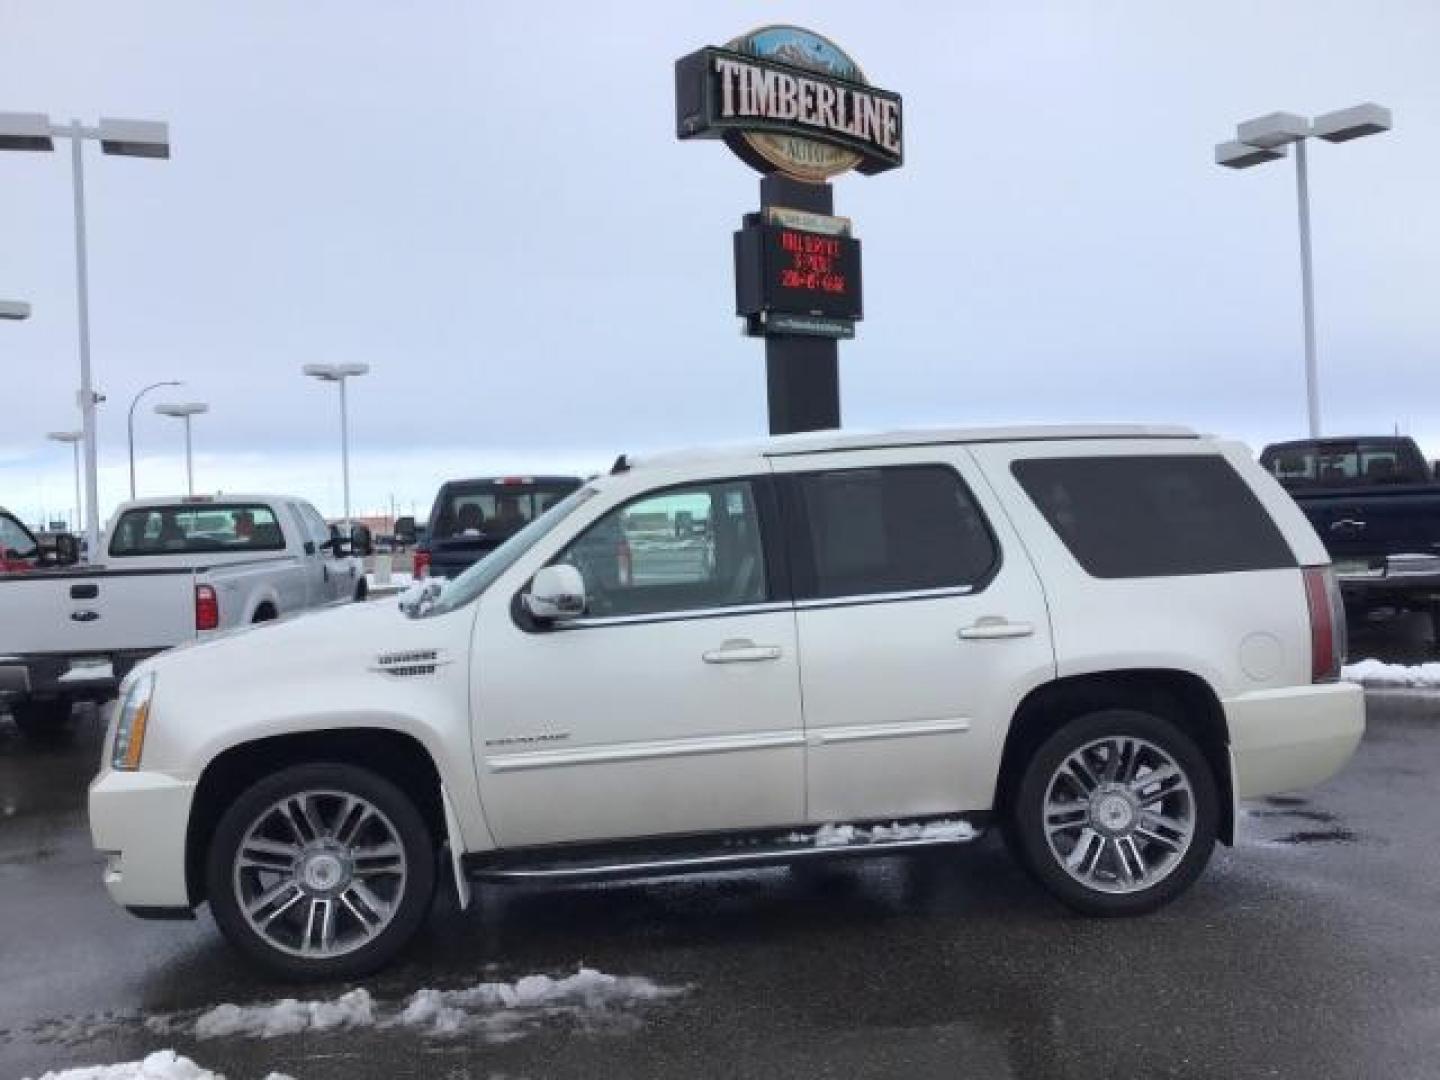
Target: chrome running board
(666, 858)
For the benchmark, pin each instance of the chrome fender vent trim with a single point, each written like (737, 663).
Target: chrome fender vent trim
(410, 663)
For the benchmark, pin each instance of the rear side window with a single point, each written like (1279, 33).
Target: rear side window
(1154, 516)
(908, 528)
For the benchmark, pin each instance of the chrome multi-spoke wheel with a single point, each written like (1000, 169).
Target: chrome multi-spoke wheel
(1119, 814)
(321, 870)
(1116, 812)
(319, 873)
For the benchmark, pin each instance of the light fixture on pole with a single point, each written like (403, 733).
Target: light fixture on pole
(338, 373)
(128, 138)
(74, 438)
(185, 410)
(14, 309)
(130, 424)
(1268, 138)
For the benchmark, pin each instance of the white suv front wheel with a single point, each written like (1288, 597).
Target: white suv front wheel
(1116, 813)
(324, 870)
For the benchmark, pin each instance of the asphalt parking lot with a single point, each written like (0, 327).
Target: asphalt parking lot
(1312, 949)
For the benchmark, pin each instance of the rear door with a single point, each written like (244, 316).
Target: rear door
(921, 624)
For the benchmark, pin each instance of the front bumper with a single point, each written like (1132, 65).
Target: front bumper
(139, 821)
(1283, 740)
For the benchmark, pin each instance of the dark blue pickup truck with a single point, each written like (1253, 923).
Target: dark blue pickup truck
(1375, 502)
(472, 518)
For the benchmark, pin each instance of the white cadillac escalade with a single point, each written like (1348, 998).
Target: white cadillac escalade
(1097, 639)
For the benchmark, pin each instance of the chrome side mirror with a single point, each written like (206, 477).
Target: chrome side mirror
(556, 593)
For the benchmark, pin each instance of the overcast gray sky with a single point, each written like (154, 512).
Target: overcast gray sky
(486, 202)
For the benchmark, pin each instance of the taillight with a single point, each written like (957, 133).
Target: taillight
(1327, 623)
(207, 608)
(422, 565)
(623, 562)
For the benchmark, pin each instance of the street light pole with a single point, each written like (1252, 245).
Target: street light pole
(1307, 290)
(130, 425)
(130, 138)
(338, 373)
(345, 452)
(82, 301)
(185, 412)
(1268, 138)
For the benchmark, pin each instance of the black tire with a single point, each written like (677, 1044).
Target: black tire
(362, 591)
(44, 722)
(1026, 827)
(410, 906)
(265, 613)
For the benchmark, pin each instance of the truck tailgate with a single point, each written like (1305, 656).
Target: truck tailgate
(95, 612)
(1384, 521)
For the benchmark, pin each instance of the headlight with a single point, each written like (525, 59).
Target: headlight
(130, 727)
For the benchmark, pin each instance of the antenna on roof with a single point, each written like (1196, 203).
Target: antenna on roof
(622, 464)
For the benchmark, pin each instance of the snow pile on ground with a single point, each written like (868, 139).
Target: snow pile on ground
(831, 835)
(288, 1017)
(399, 579)
(161, 1065)
(1377, 673)
(421, 595)
(499, 1011)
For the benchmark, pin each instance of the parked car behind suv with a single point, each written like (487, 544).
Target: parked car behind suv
(1376, 507)
(1097, 639)
(174, 570)
(471, 518)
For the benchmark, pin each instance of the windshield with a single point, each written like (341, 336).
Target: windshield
(15, 537)
(482, 575)
(209, 527)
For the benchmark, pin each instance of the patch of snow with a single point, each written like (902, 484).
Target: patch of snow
(1378, 674)
(87, 671)
(399, 580)
(499, 1011)
(288, 1017)
(161, 1065)
(833, 835)
(421, 595)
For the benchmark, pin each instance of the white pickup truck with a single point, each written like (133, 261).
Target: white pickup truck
(173, 570)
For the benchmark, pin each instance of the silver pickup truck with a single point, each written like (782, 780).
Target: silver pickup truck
(172, 571)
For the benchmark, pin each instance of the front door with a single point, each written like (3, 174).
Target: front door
(921, 623)
(673, 705)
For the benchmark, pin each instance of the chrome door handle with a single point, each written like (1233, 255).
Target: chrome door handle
(741, 652)
(995, 626)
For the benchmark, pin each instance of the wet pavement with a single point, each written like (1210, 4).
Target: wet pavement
(1312, 949)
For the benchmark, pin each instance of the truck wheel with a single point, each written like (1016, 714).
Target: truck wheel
(321, 871)
(1116, 813)
(44, 721)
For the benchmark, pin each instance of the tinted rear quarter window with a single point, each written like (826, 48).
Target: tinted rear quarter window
(1154, 515)
(888, 530)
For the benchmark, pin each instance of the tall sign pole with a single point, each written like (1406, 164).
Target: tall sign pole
(793, 105)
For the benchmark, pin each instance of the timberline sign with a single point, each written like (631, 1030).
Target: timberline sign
(788, 100)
